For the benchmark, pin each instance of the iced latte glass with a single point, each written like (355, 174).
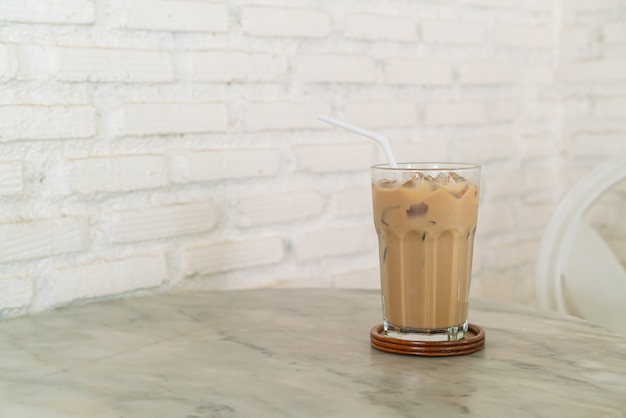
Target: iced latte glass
(425, 217)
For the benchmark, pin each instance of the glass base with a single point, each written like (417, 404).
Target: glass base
(417, 334)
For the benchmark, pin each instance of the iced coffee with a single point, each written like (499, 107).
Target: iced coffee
(425, 217)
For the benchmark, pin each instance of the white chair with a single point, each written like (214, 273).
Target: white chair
(577, 273)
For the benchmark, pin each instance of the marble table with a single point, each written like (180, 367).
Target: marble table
(292, 353)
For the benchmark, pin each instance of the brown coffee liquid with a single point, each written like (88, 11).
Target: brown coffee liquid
(426, 235)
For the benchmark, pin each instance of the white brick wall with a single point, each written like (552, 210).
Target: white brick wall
(237, 66)
(106, 277)
(522, 36)
(116, 173)
(8, 63)
(284, 114)
(351, 202)
(496, 218)
(110, 65)
(162, 222)
(48, 11)
(406, 71)
(36, 121)
(323, 158)
(595, 71)
(148, 144)
(611, 108)
(233, 254)
(504, 110)
(11, 178)
(176, 15)
(160, 118)
(485, 149)
(382, 114)
(279, 207)
(453, 32)
(614, 33)
(42, 238)
(281, 21)
(15, 292)
(376, 27)
(488, 72)
(332, 241)
(326, 68)
(456, 113)
(227, 164)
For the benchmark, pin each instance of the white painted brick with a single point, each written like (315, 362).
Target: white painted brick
(333, 241)
(231, 163)
(495, 218)
(110, 65)
(237, 66)
(614, 33)
(522, 36)
(424, 149)
(284, 115)
(282, 21)
(15, 292)
(591, 6)
(377, 27)
(486, 148)
(456, 113)
(505, 284)
(611, 107)
(11, 178)
(42, 238)
(354, 201)
(163, 222)
(117, 173)
(47, 11)
(540, 146)
(541, 179)
(619, 248)
(232, 255)
(35, 62)
(46, 122)
(382, 114)
(598, 145)
(407, 71)
(514, 254)
(501, 182)
(535, 215)
(576, 108)
(488, 72)
(364, 278)
(453, 32)
(323, 158)
(504, 110)
(594, 71)
(334, 69)
(273, 208)
(540, 74)
(542, 110)
(108, 277)
(512, 4)
(576, 36)
(508, 4)
(169, 118)
(177, 15)
(8, 62)
(314, 280)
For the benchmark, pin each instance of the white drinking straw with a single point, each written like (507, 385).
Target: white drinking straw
(369, 134)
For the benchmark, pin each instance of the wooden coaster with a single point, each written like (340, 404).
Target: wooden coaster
(473, 341)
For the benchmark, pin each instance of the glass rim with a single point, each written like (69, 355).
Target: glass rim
(427, 166)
